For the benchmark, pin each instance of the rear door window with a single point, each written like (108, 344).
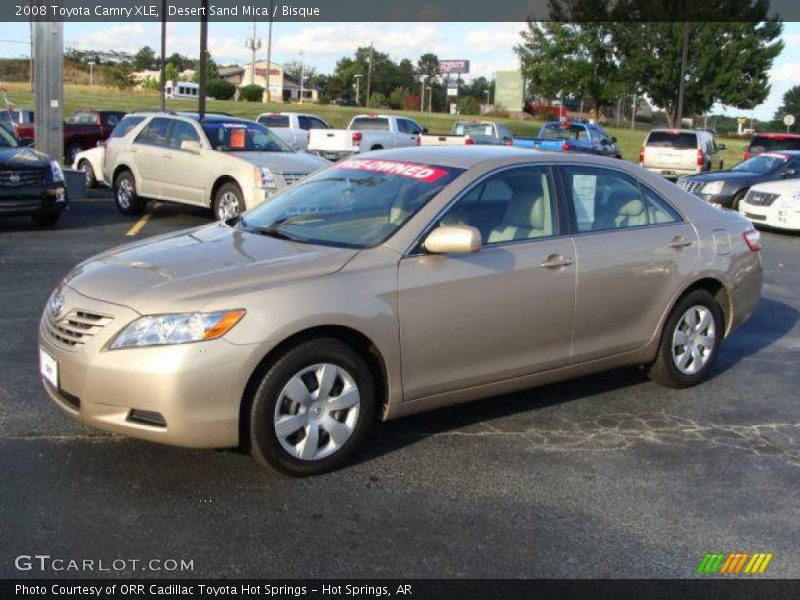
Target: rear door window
(182, 132)
(677, 140)
(274, 120)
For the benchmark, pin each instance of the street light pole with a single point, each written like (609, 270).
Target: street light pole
(269, 53)
(369, 71)
(358, 89)
(682, 82)
(302, 77)
(163, 76)
(201, 92)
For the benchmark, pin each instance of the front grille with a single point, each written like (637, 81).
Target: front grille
(756, 198)
(690, 186)
(21, 177)
(291, 178)
(76, 327)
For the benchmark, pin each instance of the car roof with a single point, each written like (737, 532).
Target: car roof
(459, 157)
(209, 117)
(778, 136)
(786, 153)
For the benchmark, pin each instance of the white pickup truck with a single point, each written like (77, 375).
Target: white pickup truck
(292, 128)
(469, 133)
(365, 133)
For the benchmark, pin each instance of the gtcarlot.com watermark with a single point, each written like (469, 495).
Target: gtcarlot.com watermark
(45, 563)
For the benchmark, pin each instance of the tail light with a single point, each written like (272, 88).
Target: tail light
(509, 142)
(469, 141)
(357, 137)
(641, 155)
(418, 141)
(701, 158)
(564, 146)
(753, 240)
(747, 154)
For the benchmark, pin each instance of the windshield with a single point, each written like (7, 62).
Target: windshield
(763, 163)
(473, 129)
(6, 139)
(242, 136)
(677, 140)
(356, 203)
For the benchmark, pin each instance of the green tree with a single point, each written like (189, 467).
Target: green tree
(398, 96)
(428, 65)
(144, 59)
(171, 72)
(790, 106)
(251, 93)
(220, 89)
(118, 76)
(727, 62)
(377, 100)
(212, 71)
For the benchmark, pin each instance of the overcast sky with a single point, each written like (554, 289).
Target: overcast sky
(489, 46)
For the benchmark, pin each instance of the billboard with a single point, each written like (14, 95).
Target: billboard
(508, 90)
(447, 67)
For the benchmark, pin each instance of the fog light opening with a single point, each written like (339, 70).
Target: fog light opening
(147, 417)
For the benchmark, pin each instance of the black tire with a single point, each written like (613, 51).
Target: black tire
(665, 369)
(126, 199)
(722, 165)
(222, 199)
(377, 147)
(88, 172)
(737, 198)
(265, 446)
(46, 218)
(72, 152)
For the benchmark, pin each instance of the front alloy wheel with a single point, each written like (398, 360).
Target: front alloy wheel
(694, 340)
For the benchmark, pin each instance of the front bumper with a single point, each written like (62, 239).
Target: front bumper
(196, 388)
(771, 216)
(25, 200)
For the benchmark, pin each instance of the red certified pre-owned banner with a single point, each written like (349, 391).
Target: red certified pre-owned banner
(393, 167)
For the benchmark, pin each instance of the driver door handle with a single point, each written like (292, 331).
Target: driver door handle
(556, 261)
(680, 242)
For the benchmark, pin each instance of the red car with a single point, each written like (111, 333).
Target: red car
(84, 130)
(772, 142)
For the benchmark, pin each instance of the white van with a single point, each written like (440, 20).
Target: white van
(182, 89)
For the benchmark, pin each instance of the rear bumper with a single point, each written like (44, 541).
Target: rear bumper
(672, 172)
(334, 155)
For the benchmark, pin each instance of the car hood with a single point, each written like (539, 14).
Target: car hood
(23, 158)
(283, 162)
(727, 176)
(188, 270)
(781, 186)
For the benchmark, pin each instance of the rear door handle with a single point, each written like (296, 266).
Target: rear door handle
(680, 242)
(556, 261)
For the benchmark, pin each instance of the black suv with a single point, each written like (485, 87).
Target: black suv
(30, 183)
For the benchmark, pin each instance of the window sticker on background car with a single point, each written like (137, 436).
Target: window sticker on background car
(392, 167)
(238, 138)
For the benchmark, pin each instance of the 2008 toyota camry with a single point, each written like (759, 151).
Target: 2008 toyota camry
(393, 283)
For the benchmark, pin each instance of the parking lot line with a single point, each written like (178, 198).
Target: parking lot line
(137, 227)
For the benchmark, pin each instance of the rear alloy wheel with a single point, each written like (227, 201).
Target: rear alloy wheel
(737, 198)
(312, 409)
(125, 197)
(228, 202)
(690, 342)
(88, 174)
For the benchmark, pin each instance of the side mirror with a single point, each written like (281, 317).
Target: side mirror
(192, 146)
(424, 130)
(612, 140)
(721, 147)
(453, 239)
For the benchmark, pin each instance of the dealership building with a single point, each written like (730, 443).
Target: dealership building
(282, 88)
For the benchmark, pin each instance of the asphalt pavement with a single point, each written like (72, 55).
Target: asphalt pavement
(606, 476)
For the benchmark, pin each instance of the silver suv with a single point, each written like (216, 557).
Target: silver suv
(222, 162)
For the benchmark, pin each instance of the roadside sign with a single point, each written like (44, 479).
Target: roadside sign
(788, 120)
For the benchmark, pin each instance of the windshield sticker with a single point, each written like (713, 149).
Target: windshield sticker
(391, 167)
(238, 138)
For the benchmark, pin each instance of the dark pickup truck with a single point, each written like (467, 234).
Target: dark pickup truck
(30, 183)
(571, 136)
(82, 131)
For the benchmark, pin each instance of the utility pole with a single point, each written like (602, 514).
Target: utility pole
(48, 49)
(269, 52)
(633, 113)
(30, 62)
(91, 72)
(163, 76)
(422, 96)
(253, 44)
(201, 92)
(682, 82)
(369, 72)
(302, 76)
(358, 88)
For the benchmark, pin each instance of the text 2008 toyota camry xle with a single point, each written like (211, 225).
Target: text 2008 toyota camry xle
(390, 284)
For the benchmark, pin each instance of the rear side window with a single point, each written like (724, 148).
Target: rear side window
(370, 124)
(155, 133)
(762, 143)
(658, 209)
(125, 125)
(307, 123)
(569, 132)
(274, 120)
(678, 140)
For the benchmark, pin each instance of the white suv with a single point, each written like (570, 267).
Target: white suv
(672, 153)
(222, 162)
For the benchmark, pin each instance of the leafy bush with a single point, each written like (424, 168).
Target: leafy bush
(377, 100)
(398, 96)
(151, 83)
(220, 89)
(251, 93)
(411, 102)
(469, 106)
(118, 76)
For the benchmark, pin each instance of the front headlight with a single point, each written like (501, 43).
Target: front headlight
(791, 202)
(264, 178)
(715, 187)
(55, 171)
(159, 330)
